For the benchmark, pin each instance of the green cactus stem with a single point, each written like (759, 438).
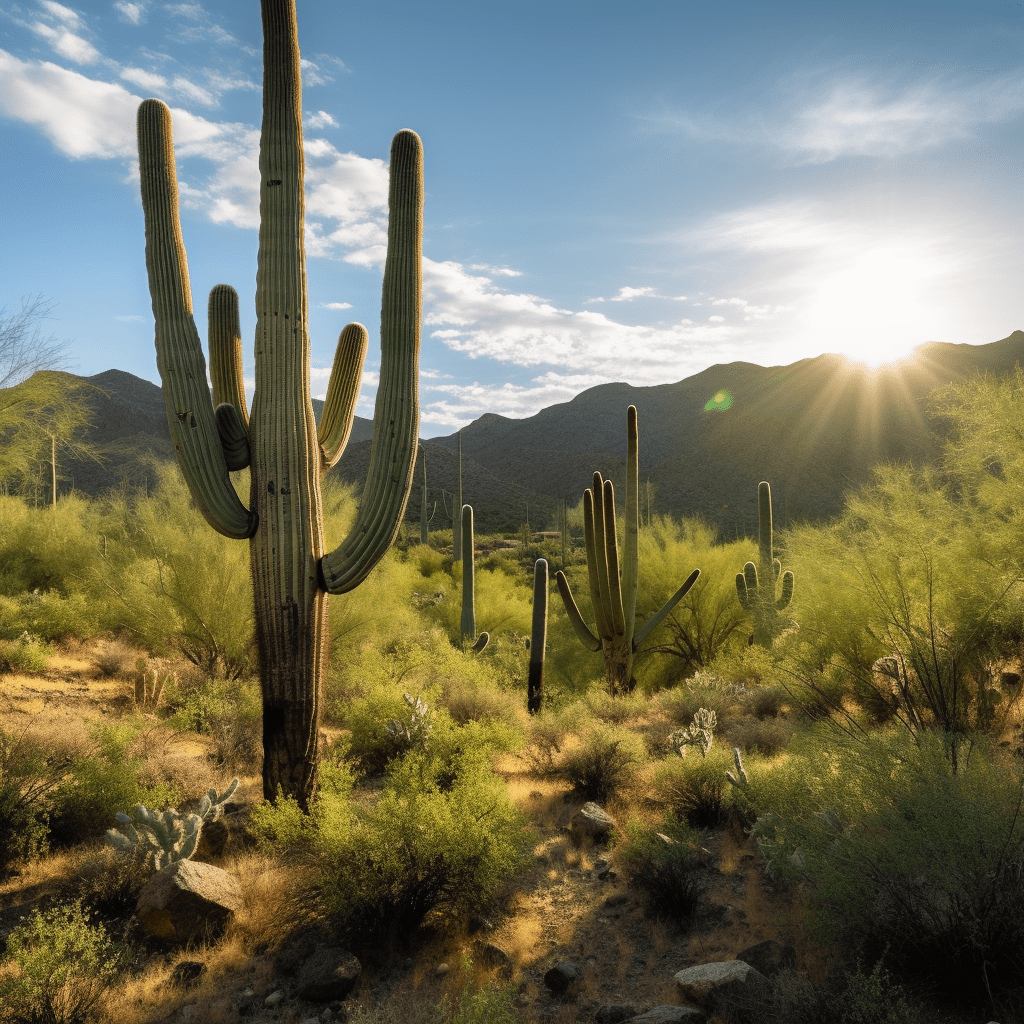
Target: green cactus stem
(755, 586)
(280, 442)
(456, 513)
(468, 624)
(614, 598)
(538, 637)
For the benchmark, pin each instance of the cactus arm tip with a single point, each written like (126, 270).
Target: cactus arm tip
(658, 617)
(342, 394)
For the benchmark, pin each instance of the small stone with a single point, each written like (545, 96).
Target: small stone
(562, 976)
(274, 998)
(442, 970)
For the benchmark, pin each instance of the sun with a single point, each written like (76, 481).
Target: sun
(873, 310)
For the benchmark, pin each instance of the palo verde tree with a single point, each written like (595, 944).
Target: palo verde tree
(287, 456)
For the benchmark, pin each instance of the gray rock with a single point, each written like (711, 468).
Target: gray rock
(670, 1015)
(188, 900)
(274, 998)
(591, 822)
(490, 955)
(723, 983)
(329, 974)
(562, 976)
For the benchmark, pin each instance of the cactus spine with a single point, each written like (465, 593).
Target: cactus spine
(291, 573)
(468, 625)
(538, 637)
(614, 599)
(755, 586)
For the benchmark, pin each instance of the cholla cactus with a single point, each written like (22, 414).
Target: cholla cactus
(700, 733)
(417, 728)
(148, 685)
(167, 836)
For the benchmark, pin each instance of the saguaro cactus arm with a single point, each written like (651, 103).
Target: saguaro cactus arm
(396, 414)
(582, 630)
(342, 394)
(538, 637)
(180, 357)
(658, 617)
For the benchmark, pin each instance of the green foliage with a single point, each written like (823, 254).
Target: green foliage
(99, 785)
(706, 620)
(694, 789)
(62, 963)
(604, 762)
(25, 654)
(441, 836)
(667, 867)
(901, 857)
(30, 769)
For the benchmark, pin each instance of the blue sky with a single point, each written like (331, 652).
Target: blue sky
(615, 191)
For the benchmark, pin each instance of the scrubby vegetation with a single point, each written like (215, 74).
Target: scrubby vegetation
(869, 759)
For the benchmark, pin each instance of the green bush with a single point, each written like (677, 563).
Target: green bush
(605, 762)
(25, 654)
(29, 770)
(99, 785)
(903, 859)
(441, 836)
(62, 963)
(667, 867)
(694, 788)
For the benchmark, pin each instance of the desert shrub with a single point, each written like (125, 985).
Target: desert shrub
(681, 703)
(230, 713)
(61, 963)
(383, 724)
(667, 867)
(426, 559)
(617, 710)
(764, 701)
(99, 785)
(467, 702)
(106, 884)
(903, 859)
(605, 762)
(503, 603)
(766, 737)
(442, 835)
(114, 660)
(846, 997)
(30, 769)
(26, 654)
(694, 788)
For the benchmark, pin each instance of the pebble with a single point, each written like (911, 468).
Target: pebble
(274, 998)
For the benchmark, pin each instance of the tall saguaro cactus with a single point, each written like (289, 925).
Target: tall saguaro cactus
(291, 573)
(755, 586)
(614, 599)
(538, 637)
(468, 622)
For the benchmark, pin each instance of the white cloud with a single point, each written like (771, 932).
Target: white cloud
(337, 305)
(81, 116)
(61, 13)
(500, 271)
(312, 74)
(628, 294)
(321, 119)
(66, 43)
(132, 13)
(149, 81)
(191, 91)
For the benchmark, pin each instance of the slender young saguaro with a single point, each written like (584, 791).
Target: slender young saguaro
(280, 443)
(467, 624)
(538, 637)
(755, 586)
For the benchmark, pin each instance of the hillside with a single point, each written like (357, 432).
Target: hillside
(813, 429)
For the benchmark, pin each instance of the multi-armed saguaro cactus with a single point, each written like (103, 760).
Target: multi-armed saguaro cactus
(167, 836)
(614, 599)
(291, 573)
(755, 586)
(538, 637)
(468, 625)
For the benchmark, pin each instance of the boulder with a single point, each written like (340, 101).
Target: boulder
(769, 957)
(726, 983)
(614, 1013)
(329, 974)
(591, 822)
(562, 976)
(188, 900)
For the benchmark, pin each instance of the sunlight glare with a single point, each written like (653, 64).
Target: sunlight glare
(873, 310)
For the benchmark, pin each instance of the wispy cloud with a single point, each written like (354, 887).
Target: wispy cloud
(134, 14)
(814, 118)
(628, 294)
(319, 119)
(60, 27)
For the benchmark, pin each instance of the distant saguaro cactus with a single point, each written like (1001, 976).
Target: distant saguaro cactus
(538, 637)
(755, 586)
(468, 625)
(614, 599)
(291, 573)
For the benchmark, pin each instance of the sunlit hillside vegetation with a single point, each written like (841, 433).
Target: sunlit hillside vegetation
(870, 758)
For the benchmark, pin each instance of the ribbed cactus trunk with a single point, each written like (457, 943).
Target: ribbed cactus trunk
(281, 444)
(291, 610)
(538, 638)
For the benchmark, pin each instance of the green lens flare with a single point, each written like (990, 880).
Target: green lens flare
(720, 400)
